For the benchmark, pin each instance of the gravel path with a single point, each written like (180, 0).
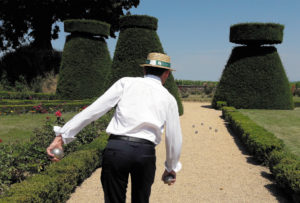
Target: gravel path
(216, 167)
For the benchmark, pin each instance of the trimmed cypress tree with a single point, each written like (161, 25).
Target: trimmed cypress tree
(137, 39)
(85, 61)
(254, 77)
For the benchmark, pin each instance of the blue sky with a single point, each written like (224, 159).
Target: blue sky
(195, 33)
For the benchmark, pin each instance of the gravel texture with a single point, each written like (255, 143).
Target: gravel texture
(216, 167)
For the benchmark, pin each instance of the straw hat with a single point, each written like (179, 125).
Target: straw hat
(158, 60)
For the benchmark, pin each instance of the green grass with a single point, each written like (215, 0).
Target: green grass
(296, 99)
(19, 128)
(285, 124)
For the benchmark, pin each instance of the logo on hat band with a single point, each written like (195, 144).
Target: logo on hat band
(158, 63)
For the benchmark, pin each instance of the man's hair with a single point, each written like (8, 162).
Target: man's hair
(154, 70)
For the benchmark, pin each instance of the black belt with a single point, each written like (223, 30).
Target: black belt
(131, 139)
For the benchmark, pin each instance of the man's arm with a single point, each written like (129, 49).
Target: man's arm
(173, 141)
(103, 104)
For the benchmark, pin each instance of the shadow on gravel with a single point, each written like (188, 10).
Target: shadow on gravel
(207, 106)
(280, 195)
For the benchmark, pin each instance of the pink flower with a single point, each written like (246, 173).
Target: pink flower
(58, 113)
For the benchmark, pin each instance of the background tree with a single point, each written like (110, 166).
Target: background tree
(25, 21)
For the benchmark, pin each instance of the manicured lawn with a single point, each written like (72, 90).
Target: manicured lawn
(20, 127)
(285, 124)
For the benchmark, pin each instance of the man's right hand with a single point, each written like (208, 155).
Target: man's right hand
(56, 143)
(166, 173)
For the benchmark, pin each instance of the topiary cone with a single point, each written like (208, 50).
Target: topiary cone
(137, 38)
(254, 77)
(85, 60)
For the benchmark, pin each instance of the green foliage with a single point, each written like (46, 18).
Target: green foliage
(138, 21)
(26, 95)
(256, 33)
(26, 21)
(267, 149)
(59, 179)
(221, 104)
(93, 27)
(132, 48)
(46, 107)
(85, 67)
(194, 82)
(27, 63)
(254, 78)
(19, 161)
(259, 142)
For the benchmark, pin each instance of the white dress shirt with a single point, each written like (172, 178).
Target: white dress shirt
(144, 108)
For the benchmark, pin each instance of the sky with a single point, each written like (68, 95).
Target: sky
(195, 33)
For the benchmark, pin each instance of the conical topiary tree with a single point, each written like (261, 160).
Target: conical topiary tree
(137, 38)
(86, 61)
(254, 77)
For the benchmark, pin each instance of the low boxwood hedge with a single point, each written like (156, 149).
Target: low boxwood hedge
(44, 107)
(297, 104)
(267, 149)
(59, 179)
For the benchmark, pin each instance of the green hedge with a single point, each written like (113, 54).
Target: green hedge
(44, 107)
(26, 95)
(138, 21)
(84, 69)
(133, 46)
(20, 102)
(268, 149)
(254, 78)
(297, 104)
(93, 27)
(256, 33)
(57, 182)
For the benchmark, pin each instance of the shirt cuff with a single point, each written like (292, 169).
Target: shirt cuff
(58, 132)
(176, 169)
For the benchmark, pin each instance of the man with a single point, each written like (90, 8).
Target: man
(144, 108)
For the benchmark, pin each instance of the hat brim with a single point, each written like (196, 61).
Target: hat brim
(156, 66)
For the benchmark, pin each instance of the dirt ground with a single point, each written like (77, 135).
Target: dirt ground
(215, 167)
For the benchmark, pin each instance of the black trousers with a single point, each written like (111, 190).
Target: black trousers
(122, 158)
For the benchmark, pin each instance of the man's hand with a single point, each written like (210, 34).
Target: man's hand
(166, 173)
(57, 143)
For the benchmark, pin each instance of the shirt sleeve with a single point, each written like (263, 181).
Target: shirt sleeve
(173, 139)
(94, 111)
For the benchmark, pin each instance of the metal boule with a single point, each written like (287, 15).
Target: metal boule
(58, 153)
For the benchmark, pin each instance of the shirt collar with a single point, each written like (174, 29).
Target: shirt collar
(153, 78)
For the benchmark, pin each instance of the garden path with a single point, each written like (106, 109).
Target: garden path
(216, 167)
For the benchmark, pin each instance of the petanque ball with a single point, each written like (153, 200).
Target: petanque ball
(58, 153)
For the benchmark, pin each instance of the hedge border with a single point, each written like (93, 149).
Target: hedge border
(44, 107)
(256, 33)
(59, 180)
(93, 27)
(297, 104)
(138, 21)
(268, 149)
